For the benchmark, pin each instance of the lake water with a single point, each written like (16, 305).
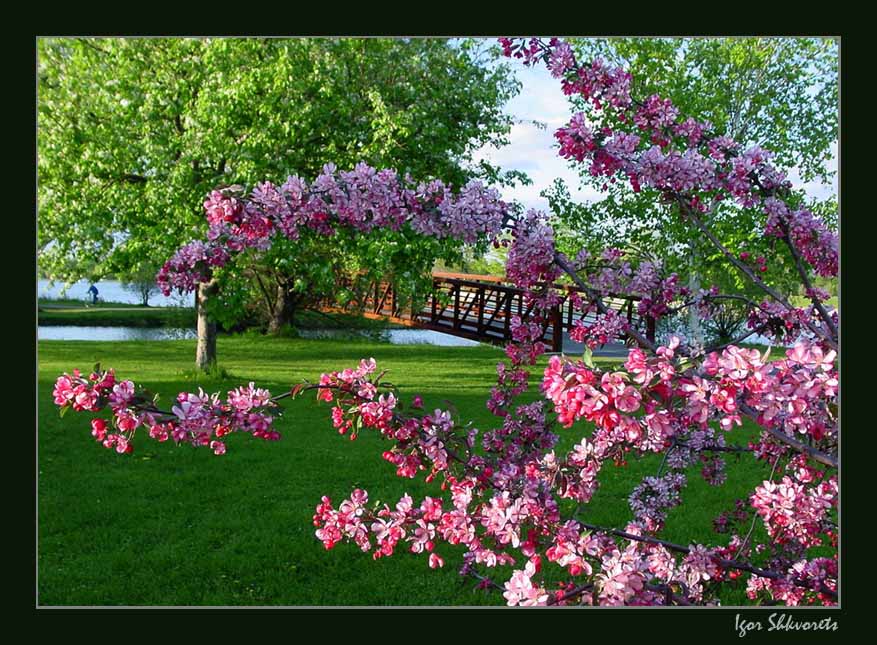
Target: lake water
(393, 336)
(396, 337)
(112, 333)
(109, 291)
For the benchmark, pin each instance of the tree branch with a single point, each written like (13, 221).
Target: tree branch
(808, 285)
(724, 562)
(817, 455)
(564, 264)
(749, 272)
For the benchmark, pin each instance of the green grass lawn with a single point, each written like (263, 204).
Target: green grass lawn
(177, 526)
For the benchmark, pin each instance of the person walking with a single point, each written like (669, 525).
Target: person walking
(92, 290)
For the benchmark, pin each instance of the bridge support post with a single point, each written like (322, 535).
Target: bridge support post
(557, 329)
(457, 307)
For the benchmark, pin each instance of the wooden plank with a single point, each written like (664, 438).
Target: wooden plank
(499, 303)
(380, 306)
(472, 277)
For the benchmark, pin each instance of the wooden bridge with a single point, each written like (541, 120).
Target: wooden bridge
(477, 307)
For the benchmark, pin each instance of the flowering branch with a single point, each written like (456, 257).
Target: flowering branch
(808, 285)
(724, 562)
(830, 340)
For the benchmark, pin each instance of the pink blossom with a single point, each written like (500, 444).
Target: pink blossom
(521, 591)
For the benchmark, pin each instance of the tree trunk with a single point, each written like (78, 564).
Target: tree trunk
(695, 330)
(205, 353)
(284, 309)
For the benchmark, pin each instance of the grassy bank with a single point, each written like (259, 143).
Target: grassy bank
(112, 314)
(117, 314)
(172, 525)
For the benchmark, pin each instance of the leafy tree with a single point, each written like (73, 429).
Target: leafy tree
(133, 133)
(141, 281)
(755, 90)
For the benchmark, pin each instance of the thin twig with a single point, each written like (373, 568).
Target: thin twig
(755, 515)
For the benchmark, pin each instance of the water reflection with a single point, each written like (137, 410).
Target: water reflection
(113, 333)
(392, 336)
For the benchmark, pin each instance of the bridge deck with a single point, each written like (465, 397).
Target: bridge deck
(479, 308)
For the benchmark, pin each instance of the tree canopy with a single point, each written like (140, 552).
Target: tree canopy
(779, 93)
(133, 133)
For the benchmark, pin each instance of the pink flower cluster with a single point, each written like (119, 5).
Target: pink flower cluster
(816, 243)
(607, 401)
(531, 256)
(605, 328)
(520, 590)
(363, 199)
(576, 139)
(421, 441)
(196, 419)
(792, 394)
(191, 265)
(806, 582)
(637, 573)
(656, 114)
(796, 511)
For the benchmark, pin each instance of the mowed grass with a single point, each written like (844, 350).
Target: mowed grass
(177, 526)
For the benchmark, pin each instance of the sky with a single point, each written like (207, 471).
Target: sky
(532, 149)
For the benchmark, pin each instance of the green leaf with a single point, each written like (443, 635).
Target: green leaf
(587, 357)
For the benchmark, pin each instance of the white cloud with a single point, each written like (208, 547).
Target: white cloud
(816, 188)
(532, 148)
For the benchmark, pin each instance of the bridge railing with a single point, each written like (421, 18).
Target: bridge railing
(478, 307)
